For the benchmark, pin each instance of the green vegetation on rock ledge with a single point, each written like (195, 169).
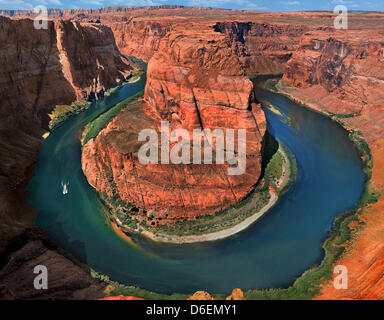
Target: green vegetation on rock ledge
(61, 113)
(285, 160)
(201, 225)
(93, 128)
(369, 195)
(120, 289)
(274, 169)
(221, 220)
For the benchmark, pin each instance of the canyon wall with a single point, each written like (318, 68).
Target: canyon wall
(340, 67)
(41, 69)
(341, 73)
(89, 55)
(32, 82)
(263, 48)
(140, 38)
(67, 280)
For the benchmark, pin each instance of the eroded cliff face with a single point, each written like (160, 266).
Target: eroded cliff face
(140, 38)
(40, 69)
(89, 56)
(342, 74)
(263, 48)
(343, 68)
(31, 84)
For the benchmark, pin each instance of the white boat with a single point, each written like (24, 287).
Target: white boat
(65, 187)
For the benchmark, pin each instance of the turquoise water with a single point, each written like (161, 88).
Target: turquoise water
(271, 253)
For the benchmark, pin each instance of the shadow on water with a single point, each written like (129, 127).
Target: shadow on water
(75, 247)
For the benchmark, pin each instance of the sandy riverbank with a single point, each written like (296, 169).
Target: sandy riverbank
(134, 80)
(214, 235)
(287, 171)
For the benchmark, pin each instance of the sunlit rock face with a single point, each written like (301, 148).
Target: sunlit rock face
(344, 67)
(263, 47)
(140, 38)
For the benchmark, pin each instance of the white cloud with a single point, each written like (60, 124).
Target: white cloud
(15, 4)
(55, 2)
(349, 4)
(93, 2)
(136, 3)
(239, 4)
(291, 3)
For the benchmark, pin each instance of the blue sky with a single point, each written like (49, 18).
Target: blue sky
(265, 5)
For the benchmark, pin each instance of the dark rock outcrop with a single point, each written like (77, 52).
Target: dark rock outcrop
(66, 279)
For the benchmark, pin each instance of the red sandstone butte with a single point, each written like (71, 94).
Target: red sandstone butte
(197, 78)
(194, 81)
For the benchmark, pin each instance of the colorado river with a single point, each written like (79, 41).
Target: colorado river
(273, 252)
